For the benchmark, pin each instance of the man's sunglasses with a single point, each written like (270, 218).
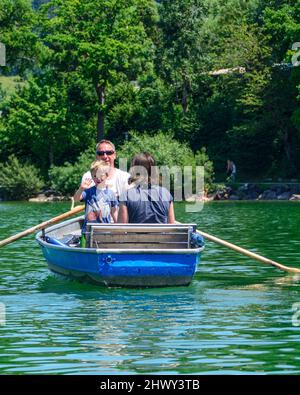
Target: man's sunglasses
(108, 153)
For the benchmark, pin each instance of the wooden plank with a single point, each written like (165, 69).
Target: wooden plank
(142, 225)
(128, 246)
(139, 229)
(140, 237)
(127, 236)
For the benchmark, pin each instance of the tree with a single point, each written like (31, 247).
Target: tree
(182, 46)
(19, 180)
(282, 24)
(47, 121)
(17, 19)
(228, 104)
(168, 152)
(103, 41)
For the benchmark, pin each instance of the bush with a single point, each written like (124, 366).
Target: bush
(66, 179)
(202, 159)
(18, 180)
(168, 152)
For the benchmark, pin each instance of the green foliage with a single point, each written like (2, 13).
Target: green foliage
(17, 21)
(142, 106)
(103, 41)
(182, 51)
(10, 84)
(202, 159)
(19, 180)
(66, 179)
(47, 121)
(169, 68)
(167, 152)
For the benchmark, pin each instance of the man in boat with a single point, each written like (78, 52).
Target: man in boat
(117, 179)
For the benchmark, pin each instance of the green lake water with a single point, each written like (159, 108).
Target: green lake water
(236, 317)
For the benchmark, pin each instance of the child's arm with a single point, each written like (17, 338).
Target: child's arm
(114, 213)
(85, 185)
(114, 206)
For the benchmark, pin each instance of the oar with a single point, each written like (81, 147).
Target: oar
(248, 253)
(42, 225)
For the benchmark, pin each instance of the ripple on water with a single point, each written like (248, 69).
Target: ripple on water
(236, 317)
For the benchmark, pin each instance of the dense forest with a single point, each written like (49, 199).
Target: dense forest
(217, 74)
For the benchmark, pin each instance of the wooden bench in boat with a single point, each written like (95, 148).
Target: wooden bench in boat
(136, 236)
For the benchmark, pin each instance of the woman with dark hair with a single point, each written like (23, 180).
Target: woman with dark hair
(145, 201)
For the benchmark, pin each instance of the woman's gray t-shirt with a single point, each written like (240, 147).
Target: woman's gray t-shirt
(147, 204)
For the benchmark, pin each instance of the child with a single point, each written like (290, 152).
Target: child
(100, 202)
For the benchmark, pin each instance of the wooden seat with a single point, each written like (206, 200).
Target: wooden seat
(135, 236)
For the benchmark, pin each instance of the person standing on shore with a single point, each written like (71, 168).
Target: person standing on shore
(117, 179)
(231, 170)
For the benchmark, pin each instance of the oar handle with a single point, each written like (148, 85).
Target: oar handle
(42, 225)
(248, 253)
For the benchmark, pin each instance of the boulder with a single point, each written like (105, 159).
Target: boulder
(234, 197)
(248, 191)
(268, 195)
(295, 197)
(251, 195)
(40, 198)
(284, 196)
(190, 199)
(52, 192)
(295, 189)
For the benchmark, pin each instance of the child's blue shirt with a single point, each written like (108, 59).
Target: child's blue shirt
(98, 200)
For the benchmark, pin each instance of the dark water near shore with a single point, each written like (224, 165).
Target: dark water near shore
(236, 317)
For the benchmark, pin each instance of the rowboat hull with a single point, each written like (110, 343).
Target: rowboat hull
(123, 269)
(120, 267)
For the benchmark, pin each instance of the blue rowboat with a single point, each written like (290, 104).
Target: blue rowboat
(127, 255)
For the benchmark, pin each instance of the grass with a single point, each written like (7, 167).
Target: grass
(9, 84)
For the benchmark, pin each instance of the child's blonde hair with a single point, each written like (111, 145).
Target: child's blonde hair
(99, 165)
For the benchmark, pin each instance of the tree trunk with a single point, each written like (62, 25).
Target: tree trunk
(185, 93)
(287, 147)
(51, 154)
(101, 115)
(287, 150)
(184, 99)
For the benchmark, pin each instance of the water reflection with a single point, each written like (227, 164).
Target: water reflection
(236, 317)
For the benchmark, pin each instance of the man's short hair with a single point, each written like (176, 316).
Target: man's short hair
(106, 142)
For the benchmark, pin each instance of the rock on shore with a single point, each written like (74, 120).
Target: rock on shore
(49, 196)
(250, 191)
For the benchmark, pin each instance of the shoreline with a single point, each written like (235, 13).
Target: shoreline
(230, 192)
(251, 192)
